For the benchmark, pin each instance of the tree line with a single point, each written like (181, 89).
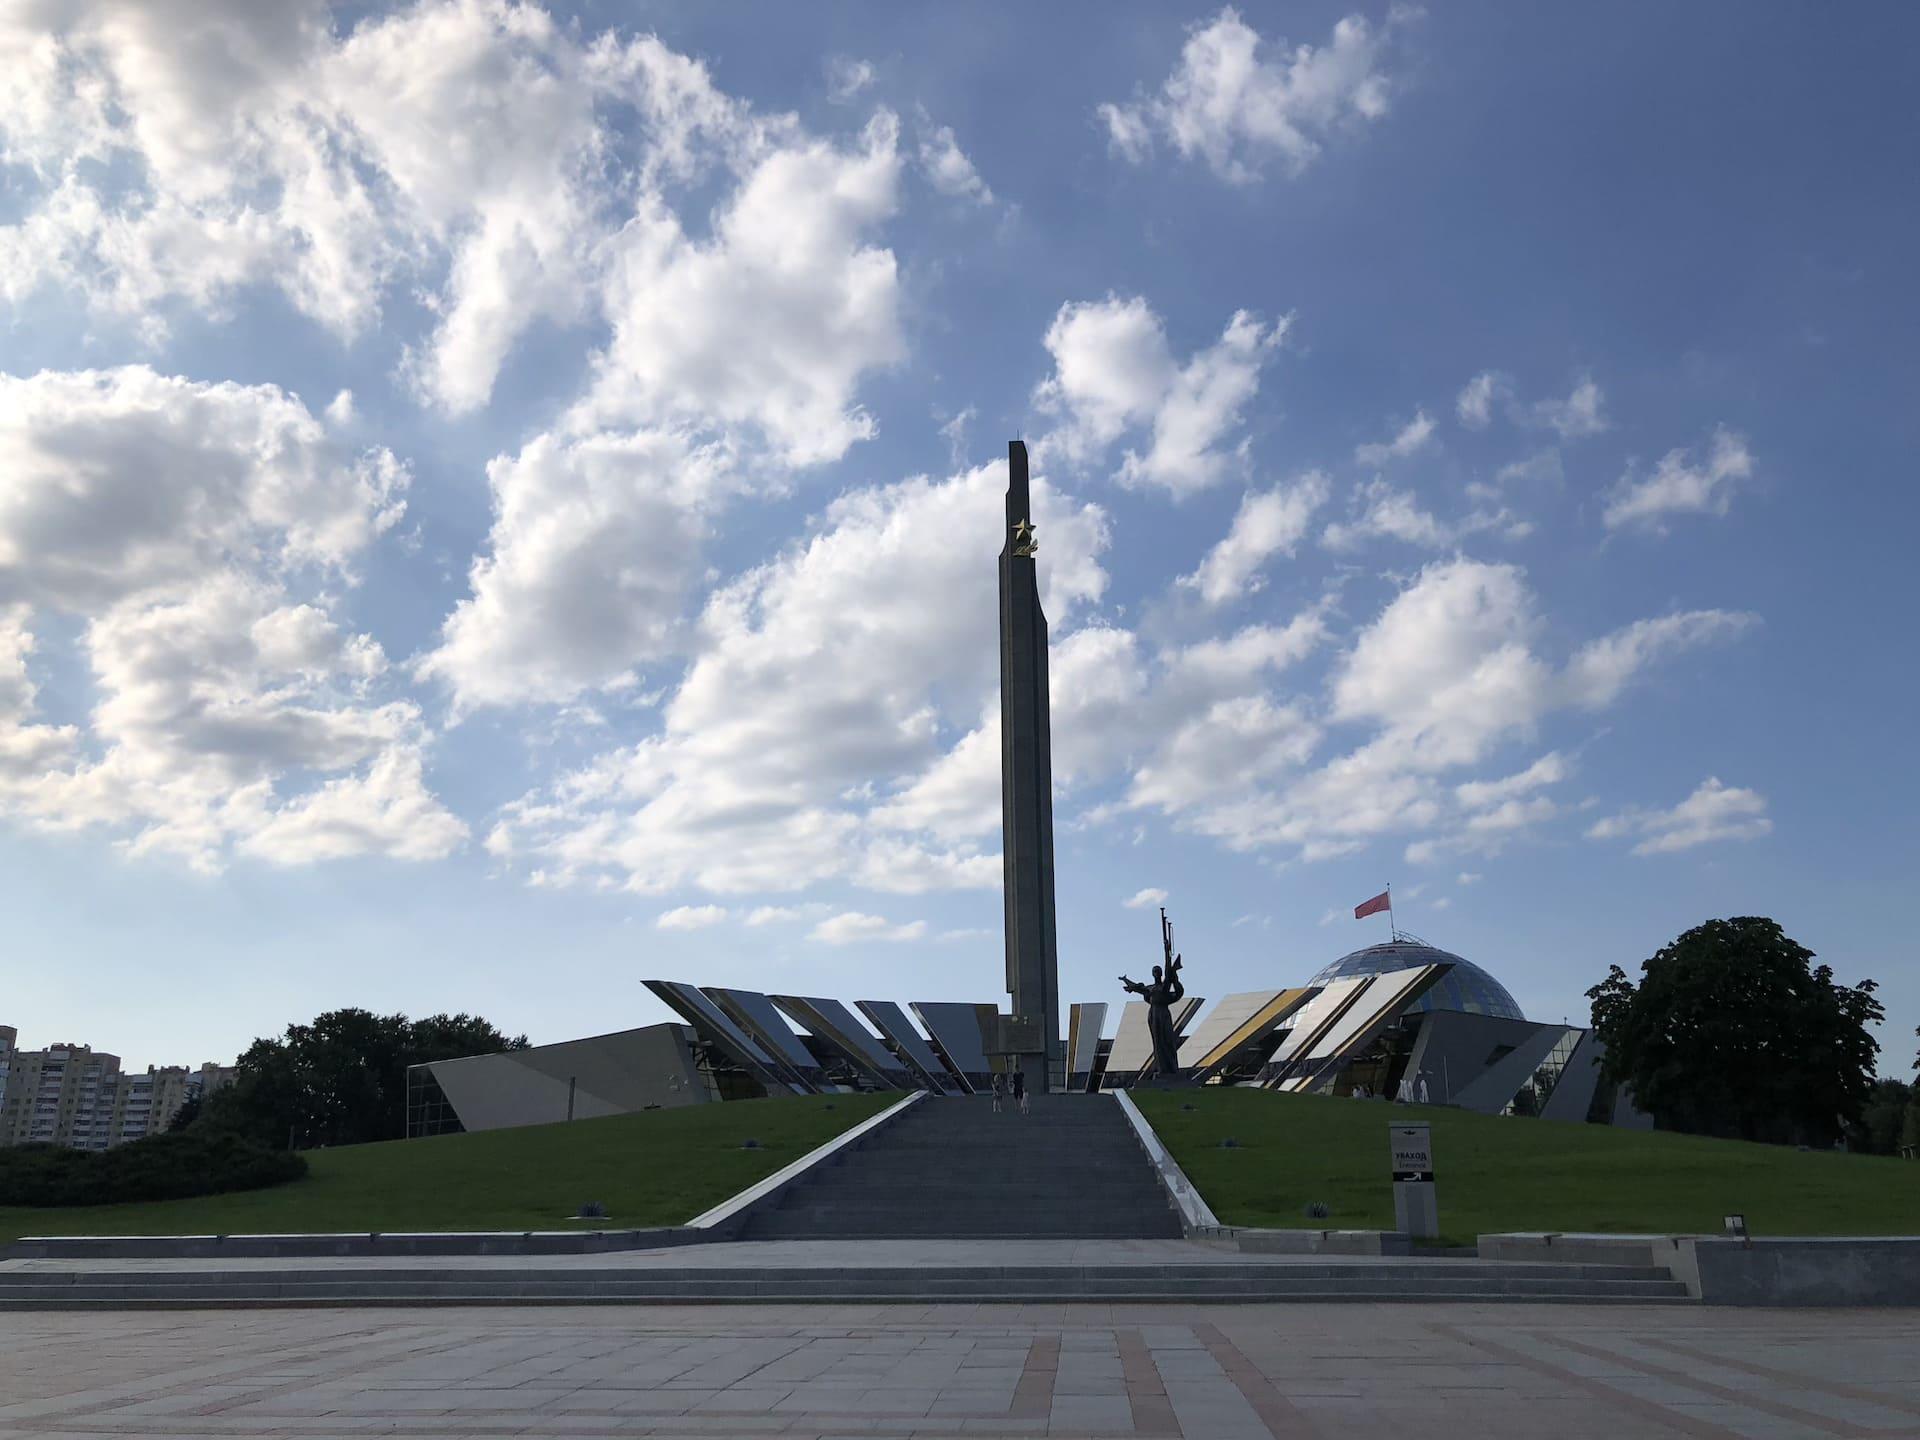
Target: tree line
(340, 1080)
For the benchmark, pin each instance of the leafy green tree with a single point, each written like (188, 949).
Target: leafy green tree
(1731, 1032)
(341, 1080)
(184, 1117)
(1910, 1129)
(1883, 1117)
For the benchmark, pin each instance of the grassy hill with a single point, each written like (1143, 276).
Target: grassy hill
(666, 1166)
(661, 1167)
(1511, 1174)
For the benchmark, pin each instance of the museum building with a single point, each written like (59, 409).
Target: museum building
(1400, 1014)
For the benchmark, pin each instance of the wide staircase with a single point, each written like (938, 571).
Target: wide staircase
(952, 1169)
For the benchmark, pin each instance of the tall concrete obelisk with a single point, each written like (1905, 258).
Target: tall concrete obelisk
(1026, 787)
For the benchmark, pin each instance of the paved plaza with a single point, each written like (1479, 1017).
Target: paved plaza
(1205, 1372)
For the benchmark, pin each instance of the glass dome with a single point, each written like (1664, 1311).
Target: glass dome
(1465, 987)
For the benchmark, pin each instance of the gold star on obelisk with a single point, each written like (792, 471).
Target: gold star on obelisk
(1024, 542)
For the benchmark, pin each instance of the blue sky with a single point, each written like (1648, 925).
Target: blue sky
(1477, 454)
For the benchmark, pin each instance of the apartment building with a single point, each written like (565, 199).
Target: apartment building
(74, 1095)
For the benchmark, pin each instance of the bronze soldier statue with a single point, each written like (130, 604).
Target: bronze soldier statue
(1161, 996)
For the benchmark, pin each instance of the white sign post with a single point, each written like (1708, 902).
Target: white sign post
(1416, 1211)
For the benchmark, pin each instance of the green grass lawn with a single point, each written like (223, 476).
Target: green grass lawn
(1499, 1174)
(662, 1167)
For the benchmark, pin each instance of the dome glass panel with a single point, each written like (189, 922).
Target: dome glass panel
(1465, 987)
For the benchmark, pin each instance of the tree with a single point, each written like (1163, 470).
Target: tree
(1910, 1128)
(188, 1112)
(1730, 1032)
(1882, 1118)
(341, 1080)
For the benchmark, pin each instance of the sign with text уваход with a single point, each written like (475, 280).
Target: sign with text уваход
(1412, 1152)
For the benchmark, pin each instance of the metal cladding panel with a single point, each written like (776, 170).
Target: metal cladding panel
(1229, 1013)
(1132, 1050)
(957, 1030)
(616, 1074)
(1085, 1022)
(716, 1025)
(1132, 1042)
(760, 1019)
(1238, 1020)
(1466, 987)
(1489, 1091)
(1574, 1094)
(1452, 1047)
(1383, 1003)
(832, 1022)
(891, 1021)
(1319, 1015)
(1389, 994)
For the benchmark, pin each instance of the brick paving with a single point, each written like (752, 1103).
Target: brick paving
(1222, 1372)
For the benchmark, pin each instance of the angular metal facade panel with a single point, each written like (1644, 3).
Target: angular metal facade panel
(1228, 1015)
(1319, 1015)
(1235, 1021)
(717, 1028)
(1388, 995)
(1380, 1005)
(616, 1074)
(1574, 1094)
(1466, 987)
(958, 1033)
(1456, 1047)
(1490, 1091)
(1132, 1042)
(833, 1024)
(891, 1021)
(1085, 1022)
(758, 1016)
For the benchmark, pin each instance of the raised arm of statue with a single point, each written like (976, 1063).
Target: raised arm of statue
(1132, 985)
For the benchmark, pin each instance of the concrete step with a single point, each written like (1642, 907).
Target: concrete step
(907, 1183)
(1174, 1272)
(1092, 1284)
(777, 1227)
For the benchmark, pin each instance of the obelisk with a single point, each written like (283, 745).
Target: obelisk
(1026, 788)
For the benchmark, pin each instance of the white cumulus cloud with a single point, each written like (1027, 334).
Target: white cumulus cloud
(816, 684)
(692, 917)
(1268, 523)
(1581, 414)
(200, 536)
(1237, 102)
(1477, 397)
(1679, 486)
(1115, 374)
(949, 170)
(1408, 440)
(1712, 812)
(851, 927)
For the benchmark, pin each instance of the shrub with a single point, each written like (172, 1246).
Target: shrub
(160, 1167)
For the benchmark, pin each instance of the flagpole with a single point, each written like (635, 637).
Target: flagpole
(1393, 926)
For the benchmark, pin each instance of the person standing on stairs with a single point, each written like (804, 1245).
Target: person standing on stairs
(1020, 1091)
(999, 1089)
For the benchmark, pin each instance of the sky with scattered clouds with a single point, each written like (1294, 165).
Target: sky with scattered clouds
(500, 501)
